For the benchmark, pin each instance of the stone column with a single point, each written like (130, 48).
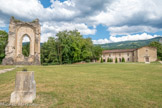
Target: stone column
(25, 88)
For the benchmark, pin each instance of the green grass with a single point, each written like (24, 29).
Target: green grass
(92, 85)
(5, 67)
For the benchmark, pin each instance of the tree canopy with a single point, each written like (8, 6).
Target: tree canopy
(26, 49)
(66, 48)
(159, 49)
(69, 47)
(3, 43)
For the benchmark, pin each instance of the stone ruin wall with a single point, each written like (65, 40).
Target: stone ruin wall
(17, 30)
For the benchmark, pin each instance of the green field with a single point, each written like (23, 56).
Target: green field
(92, 86)
(5, 67)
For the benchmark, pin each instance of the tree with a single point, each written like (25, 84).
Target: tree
(69, 47)
(26, 49)
(116, 60)
(159, 49)
(101, 60)
(97, 52)
(3, 43)
(123, 60)
(108, 60)
(49, 52)
(111, 60)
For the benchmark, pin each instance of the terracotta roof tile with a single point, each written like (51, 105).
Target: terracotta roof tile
(118, 51)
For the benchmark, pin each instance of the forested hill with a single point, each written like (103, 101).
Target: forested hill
(126, 44)
(129, 44)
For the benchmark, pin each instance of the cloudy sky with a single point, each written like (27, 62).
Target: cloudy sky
(104, 21)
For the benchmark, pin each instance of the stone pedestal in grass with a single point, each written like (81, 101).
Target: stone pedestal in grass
(25, 88)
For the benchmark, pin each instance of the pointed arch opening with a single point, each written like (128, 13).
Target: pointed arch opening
(26, 46)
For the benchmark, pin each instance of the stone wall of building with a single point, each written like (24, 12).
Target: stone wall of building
(13, 51)
(146, 51)
(132, 55)
(128, 56)
(135, 56)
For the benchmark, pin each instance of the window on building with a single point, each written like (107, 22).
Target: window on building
(133, 53)
(128, 59)
(146, 50)
(120, 60)
(127, 54)
(109, 55)
(119, 54)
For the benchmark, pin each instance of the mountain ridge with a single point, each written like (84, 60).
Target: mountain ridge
(125, 44)
(129, 44)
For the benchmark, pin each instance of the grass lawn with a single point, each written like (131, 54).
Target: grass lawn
(5, 67)
(92, 86)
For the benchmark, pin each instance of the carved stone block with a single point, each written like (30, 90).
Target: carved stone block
(25, 88)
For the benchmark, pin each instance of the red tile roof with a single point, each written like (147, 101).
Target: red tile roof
(118, 51)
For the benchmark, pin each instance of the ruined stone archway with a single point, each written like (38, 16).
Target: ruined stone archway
(17, 30)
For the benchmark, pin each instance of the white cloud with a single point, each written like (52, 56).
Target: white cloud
(101, 41)
(26, 39)
(131, 16)
(126, 30)
(58, 17)
(45, 36)
(22, 8)
(50, 29)
(83, 28)
(143, 36)
(132, 37)
(122, 17)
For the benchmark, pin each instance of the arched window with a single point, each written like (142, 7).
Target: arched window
(120, 60)
(128, 59)
(26, 46)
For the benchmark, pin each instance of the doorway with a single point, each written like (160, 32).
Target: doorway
(147, 59)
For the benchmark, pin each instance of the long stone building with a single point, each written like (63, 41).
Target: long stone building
(143, 54)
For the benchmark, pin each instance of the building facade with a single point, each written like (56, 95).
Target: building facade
(143, 54)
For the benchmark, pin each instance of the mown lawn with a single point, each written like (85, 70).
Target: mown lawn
(92, 86)
(5, 67)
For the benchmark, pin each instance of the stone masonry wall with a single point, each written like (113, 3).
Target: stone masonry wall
(17, 30)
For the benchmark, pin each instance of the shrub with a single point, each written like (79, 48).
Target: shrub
(116, 60)
(108, 60)
(87, 60)
(101, 60)
(45, 64)
(123, 60)
(54, 63)
(24, 70)
(111, 60)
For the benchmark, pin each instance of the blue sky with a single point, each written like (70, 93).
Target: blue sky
(104, 21)
(47, 3)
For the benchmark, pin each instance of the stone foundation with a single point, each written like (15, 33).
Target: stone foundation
(10, 61)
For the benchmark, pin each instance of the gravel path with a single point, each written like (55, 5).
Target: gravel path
(6, 70)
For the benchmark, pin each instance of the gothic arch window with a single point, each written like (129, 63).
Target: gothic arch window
(26, 45)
